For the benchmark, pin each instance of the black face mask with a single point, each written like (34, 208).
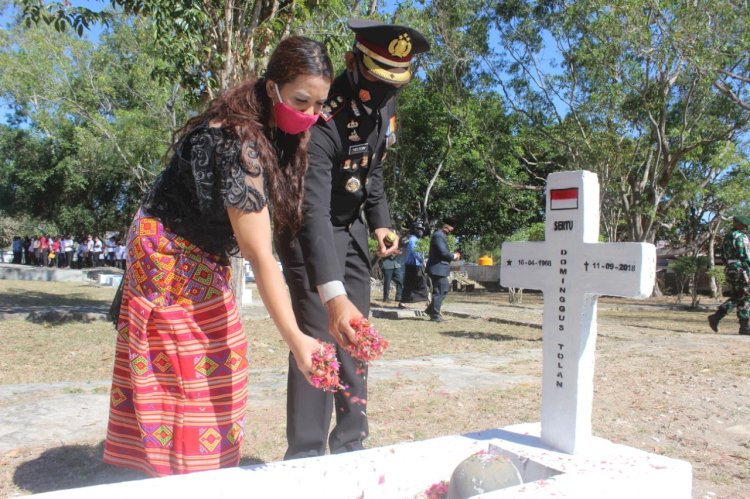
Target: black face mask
(373, 94)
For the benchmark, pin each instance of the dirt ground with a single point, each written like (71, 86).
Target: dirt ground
(663, 383)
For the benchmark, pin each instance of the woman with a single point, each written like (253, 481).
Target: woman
(179, 389)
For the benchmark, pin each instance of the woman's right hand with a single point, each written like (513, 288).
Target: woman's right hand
(303, 348)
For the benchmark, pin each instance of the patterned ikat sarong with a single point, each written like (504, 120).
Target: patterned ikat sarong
(179, 389)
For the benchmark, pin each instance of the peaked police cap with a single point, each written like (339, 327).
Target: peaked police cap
(387, 49)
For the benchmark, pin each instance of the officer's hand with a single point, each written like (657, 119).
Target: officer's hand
(383, 250)
(341, 311)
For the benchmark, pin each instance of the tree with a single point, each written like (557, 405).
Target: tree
(629, 99)
(712, 184)
(688, 270)
(211, 44)
(90, 126)
(456, 149)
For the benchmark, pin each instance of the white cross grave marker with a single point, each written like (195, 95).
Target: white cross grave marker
(572, 269)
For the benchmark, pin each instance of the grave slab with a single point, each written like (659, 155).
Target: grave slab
(396, 313)
(406, 470)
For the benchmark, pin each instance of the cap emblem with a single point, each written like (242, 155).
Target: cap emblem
(401, 46)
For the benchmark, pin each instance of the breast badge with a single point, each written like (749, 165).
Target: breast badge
(353, 185)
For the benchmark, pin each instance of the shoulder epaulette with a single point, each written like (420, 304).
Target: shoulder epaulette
(332, 107)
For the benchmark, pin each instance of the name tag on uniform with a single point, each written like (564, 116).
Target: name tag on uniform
(358, 157)
(359, 149)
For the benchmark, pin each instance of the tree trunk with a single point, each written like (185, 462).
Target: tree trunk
(711, 264)
(694, 290)
(657, 288)
(425, 213)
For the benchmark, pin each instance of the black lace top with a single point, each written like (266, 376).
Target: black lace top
(205, 177)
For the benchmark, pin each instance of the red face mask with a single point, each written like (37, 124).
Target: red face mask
(290, 120)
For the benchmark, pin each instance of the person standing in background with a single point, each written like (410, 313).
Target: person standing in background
(27, 251)
(415, 283)
(392, 266)
(439, 267)
(17, 248)
(82, 249)
(120, 254)
(43, 250)
(68, 247)
(98, 252)
(88, 254)
(54, 247)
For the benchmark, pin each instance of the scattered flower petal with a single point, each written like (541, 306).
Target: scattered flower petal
(369, 345)
(326, 369)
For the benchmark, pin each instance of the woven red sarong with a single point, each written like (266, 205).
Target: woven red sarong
(179, 389)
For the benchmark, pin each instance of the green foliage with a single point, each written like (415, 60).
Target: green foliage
(717, 272)
(90, 125)
(686, 266)
(689, 269)
(423, 246)
(652, 97)
(22, 226)
(474, 248)
(636, 90)
(211, 45)
(533, 232)
(459, 160)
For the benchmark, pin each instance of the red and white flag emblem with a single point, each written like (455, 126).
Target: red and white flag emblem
(563, 199)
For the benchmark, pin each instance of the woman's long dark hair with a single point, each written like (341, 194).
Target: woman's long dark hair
(246, 108)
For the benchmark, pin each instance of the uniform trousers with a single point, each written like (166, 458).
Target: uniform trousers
(309, 409)
(440, 287)
(738, 279)
(395, 276)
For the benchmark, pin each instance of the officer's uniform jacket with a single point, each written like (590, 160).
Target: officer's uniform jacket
(344, 181)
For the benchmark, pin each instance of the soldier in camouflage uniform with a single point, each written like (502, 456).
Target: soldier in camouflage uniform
(736, 250)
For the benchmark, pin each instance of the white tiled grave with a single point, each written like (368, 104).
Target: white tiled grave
(558, 457)
(408, 469)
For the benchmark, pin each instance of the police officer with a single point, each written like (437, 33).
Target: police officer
(327, 264)
(736, 253)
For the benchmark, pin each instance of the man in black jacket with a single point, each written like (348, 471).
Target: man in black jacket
(439, 267)
(327, 266)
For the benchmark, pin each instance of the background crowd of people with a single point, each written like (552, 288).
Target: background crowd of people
(43, 250)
